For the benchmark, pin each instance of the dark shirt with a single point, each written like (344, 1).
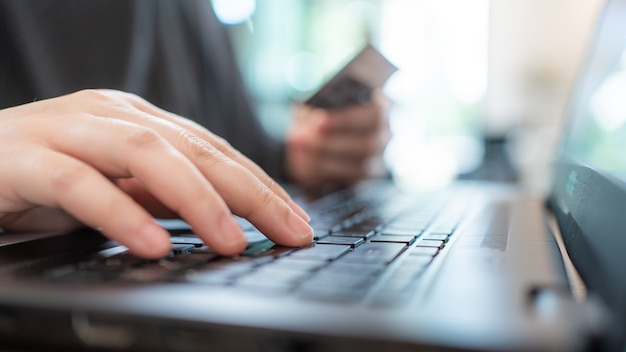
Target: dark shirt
(175, 54)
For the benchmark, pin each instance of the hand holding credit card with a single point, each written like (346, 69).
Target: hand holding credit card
(354, 83)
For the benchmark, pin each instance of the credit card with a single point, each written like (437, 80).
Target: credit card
(354, 83)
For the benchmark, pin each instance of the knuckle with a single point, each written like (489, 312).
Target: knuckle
(131, 97)
(100, 98)
(93, 95)
(199, 149)
(111, 97)
(262, 198)
(271, 184)
(140, 137)
(223, 145)
(208, 157)
(185, 137)
(105, 95)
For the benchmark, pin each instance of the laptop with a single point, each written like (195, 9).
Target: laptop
(474, 267)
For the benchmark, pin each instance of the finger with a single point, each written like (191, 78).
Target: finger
(138, 192)
(349, 145)
(312, 168)
(224, 147)
(56, 180)
(123, 149)
(356, 119)
(244, 193)
(359, 118)
(221, 145)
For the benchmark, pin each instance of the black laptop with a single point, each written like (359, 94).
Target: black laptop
(473, 267)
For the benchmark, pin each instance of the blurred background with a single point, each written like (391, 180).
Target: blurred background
(481, 87)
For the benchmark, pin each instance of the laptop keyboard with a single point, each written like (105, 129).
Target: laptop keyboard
(373, 249)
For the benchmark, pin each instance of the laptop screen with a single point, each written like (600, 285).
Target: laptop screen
(597, 133)
(589, 191)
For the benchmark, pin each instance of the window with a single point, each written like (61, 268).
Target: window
(287, 48)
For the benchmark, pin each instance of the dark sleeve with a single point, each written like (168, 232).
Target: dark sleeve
(238, 122)
(175, 54)
(204, 82)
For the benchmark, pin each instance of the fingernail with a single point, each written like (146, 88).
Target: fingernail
(298, 209)
(300, 228)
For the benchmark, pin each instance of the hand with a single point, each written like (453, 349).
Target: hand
(112, 161)
(340, 146)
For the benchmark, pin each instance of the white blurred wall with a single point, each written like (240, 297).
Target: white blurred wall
(535, 49)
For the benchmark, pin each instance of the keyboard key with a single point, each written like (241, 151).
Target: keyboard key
(254, 236)
(174, 224)
(319, 233)
(379, 253)
(447, 233)
(273, 277)
(358, 229)
(318, 222)
(350, 241)
(400, 232)
(405, 226)
(411, 266)
(268, 251)
(435, 237)
(396, 239)
(356, 268)
(188, 260)
(204, 250)
(153, 272)
(415, 223)
(429, 243)
(222, 271)
(342, 280)
(321, 251)
(371, 222)
(443, 228)
(187, 240)
(354, 233)
(292, 264)
(243, 223)
(424, 251)
(228, 266)
(178, 248)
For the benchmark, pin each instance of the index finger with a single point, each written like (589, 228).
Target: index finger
(222, 145)
(121, 149)
(354, 119)
(240, 188)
